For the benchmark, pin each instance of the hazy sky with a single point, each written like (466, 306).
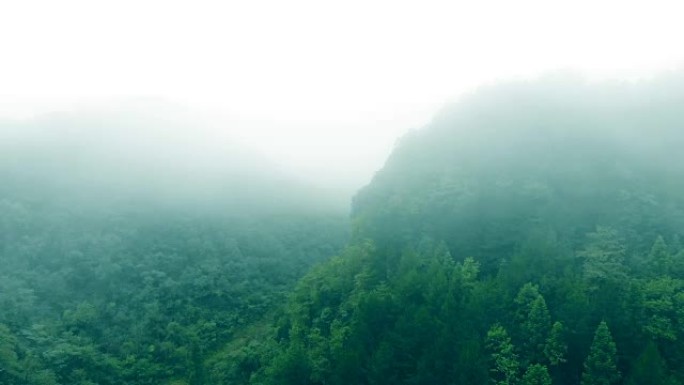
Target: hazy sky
(322, 86)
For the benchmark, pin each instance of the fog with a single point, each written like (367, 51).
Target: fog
(152, 153)
(323, 91)
(365, 192)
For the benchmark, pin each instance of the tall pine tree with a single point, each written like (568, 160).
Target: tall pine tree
(600, 367)
(535, 322)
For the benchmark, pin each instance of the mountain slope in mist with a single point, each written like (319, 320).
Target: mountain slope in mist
(530, 234)
(135, 244)
(557, 155)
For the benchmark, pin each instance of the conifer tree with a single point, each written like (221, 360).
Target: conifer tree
(649, 367)
(556, 348)
(535, 322)
(536, 374)
(600, 367)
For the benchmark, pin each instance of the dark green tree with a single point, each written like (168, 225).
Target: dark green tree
(649, 368)
(535, 322)
(536, 374)
(600, 367)
(556, 348)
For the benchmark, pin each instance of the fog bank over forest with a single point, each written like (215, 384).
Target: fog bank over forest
(170, 153)
(535, 220)
(337, 152)
(153, 152)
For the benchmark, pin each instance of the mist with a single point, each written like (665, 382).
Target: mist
(152, 152)
(363, 192)
(146, 242)
(321, 91)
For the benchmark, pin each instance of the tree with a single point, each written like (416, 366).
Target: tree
(535, 321)
(660, 259)
(604, 271)
(659, 308)
(603, 256)
(536, 374)
(600, 367)
(9, 364)
(291, 366)
(649, 367)
(505, 363)
(469, 270)
(556, 348)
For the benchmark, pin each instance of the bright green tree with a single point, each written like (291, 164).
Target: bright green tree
(504, 361)
(659, 307)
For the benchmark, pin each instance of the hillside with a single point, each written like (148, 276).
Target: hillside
(133, 246)
(529, 235)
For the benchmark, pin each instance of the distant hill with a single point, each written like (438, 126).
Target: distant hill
(153, 156)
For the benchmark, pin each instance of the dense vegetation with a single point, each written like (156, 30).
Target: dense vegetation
(529, 235)
(109, 276)
(141, 298)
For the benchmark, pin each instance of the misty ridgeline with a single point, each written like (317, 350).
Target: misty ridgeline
(530, 234)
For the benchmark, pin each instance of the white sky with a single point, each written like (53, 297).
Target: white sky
(322, 86)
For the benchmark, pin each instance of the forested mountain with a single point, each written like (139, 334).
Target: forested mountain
(529, 235)
(132, 248)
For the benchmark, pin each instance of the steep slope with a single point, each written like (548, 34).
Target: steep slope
(558, 156)
(530, 234)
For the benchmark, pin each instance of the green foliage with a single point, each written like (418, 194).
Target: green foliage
(536, 374)
(600, 367)
(658, 307)
(143, 297)
(535, 321)
(649, 367)
(659, 259)
(603, 257)
(556, 348)
(505, 363)
(9, 361)
(538, 209)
